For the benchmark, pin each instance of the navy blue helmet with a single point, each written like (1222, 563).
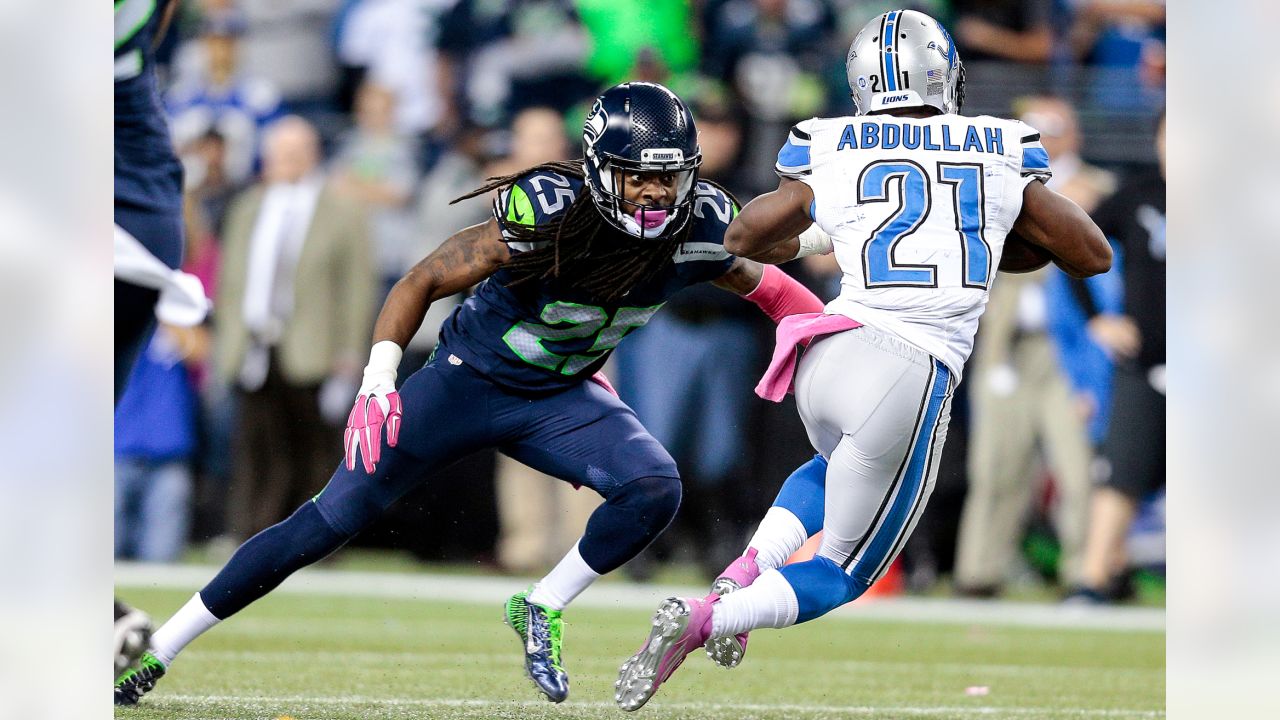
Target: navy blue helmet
(641, 127)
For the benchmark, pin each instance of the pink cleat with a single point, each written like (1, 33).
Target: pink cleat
(679, 627)
(727, 652)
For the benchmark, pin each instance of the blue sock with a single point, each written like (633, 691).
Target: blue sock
(804, 493)
(266, 559)
(820, 586)
(630, 518)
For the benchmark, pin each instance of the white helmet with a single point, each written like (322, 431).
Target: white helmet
(903, 59)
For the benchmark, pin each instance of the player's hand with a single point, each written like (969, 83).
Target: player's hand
(377, 405)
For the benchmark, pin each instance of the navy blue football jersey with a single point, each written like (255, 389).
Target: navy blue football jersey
(544, 336)
(148, 176)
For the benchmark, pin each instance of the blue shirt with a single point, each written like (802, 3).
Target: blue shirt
(544, 336)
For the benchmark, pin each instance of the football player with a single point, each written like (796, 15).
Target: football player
(148, 229)
(916, 202)
(576, 256)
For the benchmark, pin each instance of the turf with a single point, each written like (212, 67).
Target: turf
(336, 658)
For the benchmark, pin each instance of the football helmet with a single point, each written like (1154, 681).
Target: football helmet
(641, 127)
(903, 59)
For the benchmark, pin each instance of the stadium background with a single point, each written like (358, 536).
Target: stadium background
(441, 84)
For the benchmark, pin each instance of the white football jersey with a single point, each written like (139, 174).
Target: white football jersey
(918, 210)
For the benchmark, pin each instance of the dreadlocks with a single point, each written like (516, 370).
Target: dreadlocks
(580, 248)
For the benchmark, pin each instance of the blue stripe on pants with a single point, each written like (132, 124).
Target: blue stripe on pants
(820, 584)
(909, 493)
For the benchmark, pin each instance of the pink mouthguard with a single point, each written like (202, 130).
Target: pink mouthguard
(650, 219)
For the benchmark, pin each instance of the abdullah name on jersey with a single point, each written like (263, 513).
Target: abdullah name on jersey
(543, 336)
(918, 210)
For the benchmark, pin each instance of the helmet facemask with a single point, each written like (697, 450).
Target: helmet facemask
(609, 178)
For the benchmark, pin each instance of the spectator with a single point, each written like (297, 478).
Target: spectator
(663, 31)
(1134, 219)
(207, 181)
(1117, 33)
(296, 297)
(375, 167)
(155, 440)
(1124, 41)
(1017, 30)
(1023, 402)
(391, 43)
(513, 55)
(290, 43)
(213, 95)
(773, 53)
(1006, 46)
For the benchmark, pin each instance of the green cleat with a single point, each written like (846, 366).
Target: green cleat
(136, 682)
(541, 631)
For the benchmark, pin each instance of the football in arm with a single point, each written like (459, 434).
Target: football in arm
(1020, 256)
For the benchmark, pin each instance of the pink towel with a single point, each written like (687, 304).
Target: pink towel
(793, 331)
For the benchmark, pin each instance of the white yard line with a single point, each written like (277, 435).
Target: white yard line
(629, 596)
(953, 711)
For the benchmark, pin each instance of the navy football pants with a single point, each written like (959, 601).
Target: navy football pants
(583, 435)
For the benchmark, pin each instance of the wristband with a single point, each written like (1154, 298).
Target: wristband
(780, 295)
(384, 358)
(814, 241)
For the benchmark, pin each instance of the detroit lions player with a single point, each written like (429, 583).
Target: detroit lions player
(576, 256)
(916, 201)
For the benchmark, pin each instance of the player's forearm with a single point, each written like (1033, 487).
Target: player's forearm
(403, 311)
(767, 228)
(467, 257)
(753, 236)
(779, 253)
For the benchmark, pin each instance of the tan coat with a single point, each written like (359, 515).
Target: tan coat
(335, 291)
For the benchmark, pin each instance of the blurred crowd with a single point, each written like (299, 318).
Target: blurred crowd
(323, 141)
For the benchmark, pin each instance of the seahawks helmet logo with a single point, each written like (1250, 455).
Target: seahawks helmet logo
(596, 123)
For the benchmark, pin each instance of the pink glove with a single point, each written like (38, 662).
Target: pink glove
(376, 406)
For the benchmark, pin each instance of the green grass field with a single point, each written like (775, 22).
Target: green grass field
(313, 657)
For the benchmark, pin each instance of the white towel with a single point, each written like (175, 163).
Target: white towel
(182, 300)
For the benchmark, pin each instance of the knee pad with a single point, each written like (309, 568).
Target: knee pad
(653, 501)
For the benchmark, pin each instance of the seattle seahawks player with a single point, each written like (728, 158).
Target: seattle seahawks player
(576, 256)
(148, 228)
(916, 201)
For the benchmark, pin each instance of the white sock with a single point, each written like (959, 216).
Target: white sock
(186, 625)
(777, 538)
(565, 582)
(769, 602)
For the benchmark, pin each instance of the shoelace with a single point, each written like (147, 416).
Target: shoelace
(540, 630)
